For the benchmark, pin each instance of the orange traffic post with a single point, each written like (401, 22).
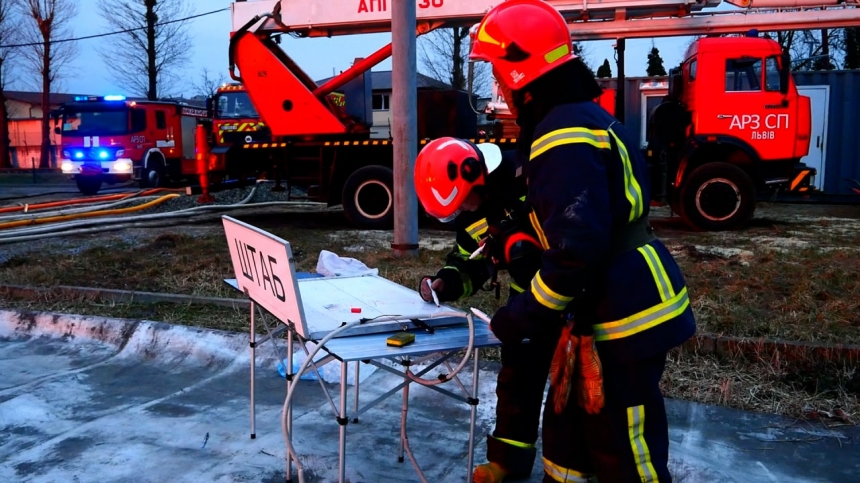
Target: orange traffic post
(201, 149)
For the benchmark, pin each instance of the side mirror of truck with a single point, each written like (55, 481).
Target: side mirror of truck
(784, 73)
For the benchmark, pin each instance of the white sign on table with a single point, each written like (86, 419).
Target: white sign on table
(265, 270)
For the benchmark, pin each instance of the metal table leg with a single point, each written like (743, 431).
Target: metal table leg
(253, 364)
(342, 421)
(289, 411)
(473, 416)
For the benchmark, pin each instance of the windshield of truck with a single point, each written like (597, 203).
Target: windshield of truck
(94, 121)
(234, 105)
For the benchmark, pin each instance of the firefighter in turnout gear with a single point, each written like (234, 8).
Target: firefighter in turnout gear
(589, 197)
(456, 180)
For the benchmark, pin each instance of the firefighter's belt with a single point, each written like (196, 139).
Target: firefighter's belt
(634, 235)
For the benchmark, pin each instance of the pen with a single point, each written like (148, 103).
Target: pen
(435, 297)
(481, 315)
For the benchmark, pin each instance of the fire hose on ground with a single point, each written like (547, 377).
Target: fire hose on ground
(309, 361)
(73, 210)
(77, 227)
(75, 201)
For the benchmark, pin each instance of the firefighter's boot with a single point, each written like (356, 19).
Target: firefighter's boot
(489, 473)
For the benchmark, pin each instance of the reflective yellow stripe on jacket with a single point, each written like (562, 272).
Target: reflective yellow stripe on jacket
(478, 228)
(565, 475)
(641, 453)
(546, 296)
(467, 282)
(598, 138)
(672, 304)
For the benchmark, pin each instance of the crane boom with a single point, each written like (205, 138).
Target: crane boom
(344, 17)
(588, 21)
(714, 23)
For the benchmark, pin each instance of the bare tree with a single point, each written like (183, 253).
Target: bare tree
(8, 35)
(155, 45)
(51, 21)
(206, 84)
(444, 55)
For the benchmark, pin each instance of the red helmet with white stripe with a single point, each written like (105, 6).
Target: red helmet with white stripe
(446, 171)
(523, 40)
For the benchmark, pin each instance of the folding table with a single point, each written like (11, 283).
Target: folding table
(350, 318)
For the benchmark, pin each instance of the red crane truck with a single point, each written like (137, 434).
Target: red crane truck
(311, 128)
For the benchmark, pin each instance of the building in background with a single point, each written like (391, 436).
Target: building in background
(25, 128)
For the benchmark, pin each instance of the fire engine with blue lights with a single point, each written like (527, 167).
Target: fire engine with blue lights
(111, 139)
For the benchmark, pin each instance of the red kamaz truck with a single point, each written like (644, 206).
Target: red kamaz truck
(732, 127)
(111, 139)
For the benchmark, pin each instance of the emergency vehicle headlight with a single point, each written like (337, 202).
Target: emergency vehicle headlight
(122, 166)
(67, 167)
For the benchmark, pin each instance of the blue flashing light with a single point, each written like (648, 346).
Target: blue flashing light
(114, 98)
(79, 155)
(103, 154)
(81, 98)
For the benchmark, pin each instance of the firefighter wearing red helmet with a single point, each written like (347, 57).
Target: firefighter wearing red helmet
(477, 187)
(589, 196)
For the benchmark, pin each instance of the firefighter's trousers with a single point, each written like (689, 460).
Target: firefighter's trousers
(519, 391)
(628, 441)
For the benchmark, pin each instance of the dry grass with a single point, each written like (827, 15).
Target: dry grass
(781, 278)
(801, 389)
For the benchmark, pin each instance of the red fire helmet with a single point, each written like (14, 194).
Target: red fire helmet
(446, 171)
(523, 40)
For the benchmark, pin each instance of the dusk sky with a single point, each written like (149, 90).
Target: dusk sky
(89, 72)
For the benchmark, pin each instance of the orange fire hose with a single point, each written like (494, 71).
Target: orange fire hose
(118, 211)
(76, 201)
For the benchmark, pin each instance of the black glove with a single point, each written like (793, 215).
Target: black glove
(424, 289)
(506, 328)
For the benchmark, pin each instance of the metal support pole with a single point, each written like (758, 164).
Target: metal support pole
(620, 88)
(289, 412)
(253, 345)
(404, 83)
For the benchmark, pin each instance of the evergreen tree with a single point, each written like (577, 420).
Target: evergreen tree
(604, 71)
(852, 48)
(655, 63)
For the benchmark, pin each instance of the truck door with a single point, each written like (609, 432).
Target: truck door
(755, 111)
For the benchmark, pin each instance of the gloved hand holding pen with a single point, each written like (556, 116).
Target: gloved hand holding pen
(429, 289)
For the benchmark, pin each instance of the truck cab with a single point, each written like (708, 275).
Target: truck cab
(732, 126)
(234, 118)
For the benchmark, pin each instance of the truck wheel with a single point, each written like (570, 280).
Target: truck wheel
(88, 185)
(368, 197)
(717, 196)
(153, 175)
